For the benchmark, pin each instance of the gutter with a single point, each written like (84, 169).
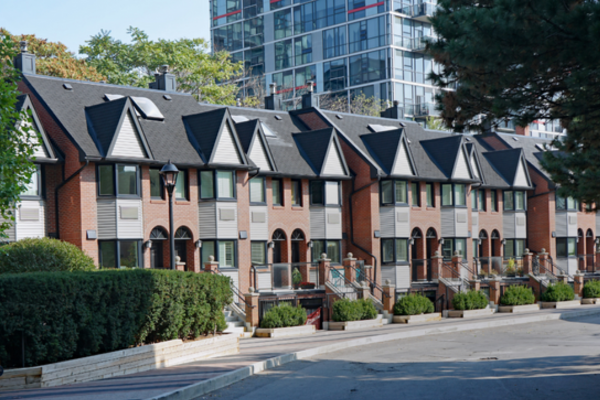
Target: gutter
(57, 189)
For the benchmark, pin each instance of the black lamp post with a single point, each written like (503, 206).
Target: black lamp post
(169, 176)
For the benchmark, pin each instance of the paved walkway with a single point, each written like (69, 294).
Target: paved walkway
(153, 383)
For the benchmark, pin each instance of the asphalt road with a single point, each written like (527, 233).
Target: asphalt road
(548, 360)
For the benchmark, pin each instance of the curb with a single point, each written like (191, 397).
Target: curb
(198, 389)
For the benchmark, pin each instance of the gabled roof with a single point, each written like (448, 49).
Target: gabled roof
(47, 153)
(251, 134)
(317, 147)
(105, 121)
(448, 153)
(390, 148)
(509, 164)
(205, 131)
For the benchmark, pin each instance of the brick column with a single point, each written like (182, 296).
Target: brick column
(436, 266)
(251, 308)
(364, 292)
(475, 284)
(324, 264)
(211, 265)
(563, 278)
(178, 264)
(456, 259)
(389, 296)
(527, 262)
(495, 290)
(305, 272)
(349, 265)
(578, 284)
(543, 257)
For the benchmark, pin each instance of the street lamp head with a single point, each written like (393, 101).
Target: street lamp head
(169, 174)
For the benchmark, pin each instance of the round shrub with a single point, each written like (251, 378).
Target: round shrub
(284, 315)
(472, 300)
(517, 296)
(345, 310)
(591, 290)
(559, 291)
(43, 255)
(413, 304)
(368, 309)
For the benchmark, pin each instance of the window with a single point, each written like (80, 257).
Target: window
(460, 195)
(454, 194)
(514, 200)
(430, 195)
(283, 54)
(325, 193)
(33, 188)
(257, 190)
(333, 248)
(283, 24)
(568, 203)
(296, 193)
(481, 201)
(228, 37)
(285, 84)
(367, 67)
(207, 250)
(494, 200)
(318, 14)
(226, 11)
(514, 248)
(394, 250)
(156, 184)
(332, 193)
(364, 8)
(224, 252)
(519, 200)
(181, 190)
(365, 35)
(120, 253)
(303, 49)
(126, 180)
(453, 244)
(474, 198)
(258, 253)
(566, 247)
(253, 32)
(316, 193)
(254, 61)
(414, 190)
(280, 3)
(394, 192)
(447, 194)
(277, 189)
(303, 76)
(223, 189)
(334, 75)
(334, 42)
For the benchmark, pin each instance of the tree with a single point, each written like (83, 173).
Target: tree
(16, 150)
(435, 123)
(208, 77)
(53, 59)
(360, 104)
(526, 60)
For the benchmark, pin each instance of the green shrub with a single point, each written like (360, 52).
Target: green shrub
(472, 300)
(353, 310)
(65, 315)
(559, 291)
(517, 296)
(413, 304)
(284, 315)
(43, 255)
(591, 289)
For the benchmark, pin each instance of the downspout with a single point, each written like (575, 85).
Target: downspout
(63, 183)
(355, 191)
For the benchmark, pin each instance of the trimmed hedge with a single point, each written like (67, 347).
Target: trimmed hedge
(472, 300)
(284, 315)
(413, 304)
(591, 290)
(517, 296)
(345, 310)
(66, 315)
(559, 291)
(43, 255)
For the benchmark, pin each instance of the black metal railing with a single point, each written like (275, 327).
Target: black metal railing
(286, 276)
(439, 303)
(556, 270)
(361, 276)
(505, 267)
(415, 264)
(586, 262)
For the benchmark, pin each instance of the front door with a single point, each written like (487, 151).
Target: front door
(180, 251)
(156, 255)
(429, 254)
(277, 252)
(295, 251)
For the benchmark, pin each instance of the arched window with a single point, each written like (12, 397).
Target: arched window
(158, 233)
(279, 235)
(589, 233)
(495, 234)
(298, 235)
(431, 234)
(579, 233)
(183, 233)
(483, 234)
(416, 234)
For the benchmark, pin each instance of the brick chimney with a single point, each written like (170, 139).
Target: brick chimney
(25, 61)
(274, 100)
(310, 99)
(164, 80)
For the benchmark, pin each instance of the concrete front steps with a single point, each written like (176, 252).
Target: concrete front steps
(235, 325)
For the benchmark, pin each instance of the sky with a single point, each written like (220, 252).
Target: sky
(72, 22)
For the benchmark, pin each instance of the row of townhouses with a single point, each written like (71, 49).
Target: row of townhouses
(264, 190)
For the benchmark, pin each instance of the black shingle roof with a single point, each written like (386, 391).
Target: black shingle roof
(313, 145)
(383, 147)
(531, 152)
(505, 162)
(203, 129)
(103, 122)
(444, 152)
(246, 131)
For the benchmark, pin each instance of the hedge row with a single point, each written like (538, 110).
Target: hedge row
(559, 291)
(284, 315)
(65, 315)
(591, 289)
(413, 304)
(353, 310)
(517, 296)
(472, 300)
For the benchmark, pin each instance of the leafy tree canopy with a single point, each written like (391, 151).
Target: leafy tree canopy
(208, 77)
(526, 60)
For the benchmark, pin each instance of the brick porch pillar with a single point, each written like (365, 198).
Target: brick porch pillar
(324, 264)
(456, 260)
(563, 278)
(364, 292)
(251, 308)
(578, 284)
(544, 264)
(527, 262)
(349, 265)
(436, 266)
(178, 264)
(495, 290)
(211, 265)
(389, 296)
(475, 284)
(305, 272)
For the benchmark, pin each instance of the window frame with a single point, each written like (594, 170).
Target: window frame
(264, 191)
(325, 246)
(160, 184)
(395, 251)
(323, 188)
(513, 242)
(115, 183)
(186, 185)
(481, 200)
(565, 200)
(453, 187)
(513, 198)
(298, 200)
(566, 242)
(454, 239)
(394, 201)
(216, 194)
(415, 194)
(117, 244)
(264, 249)
(494, 200)
(216, 243)
(40, 172)
(430, 195)
(280, 190)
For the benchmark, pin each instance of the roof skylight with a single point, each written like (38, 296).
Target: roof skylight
(111, 97)
(239, 118)
(268, 132)
(147, 108)
(381, 128)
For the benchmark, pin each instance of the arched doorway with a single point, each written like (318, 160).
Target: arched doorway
(417, 261)
(589, 250)
(496, 245)
(483, 253)
(431, 246)
(297, 240)
(183, 237)
(279, 239)
(158, 239)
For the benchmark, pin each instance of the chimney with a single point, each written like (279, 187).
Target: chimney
(394, 112)
(310, 99)
(24, 61)
(273, 101)
(164, 80)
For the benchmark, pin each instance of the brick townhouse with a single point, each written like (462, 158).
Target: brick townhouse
(267, 191)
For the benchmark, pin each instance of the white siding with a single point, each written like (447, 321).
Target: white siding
(317, 222)
(263, 280)
(333, 223)
(402, 163)
(332, 192)
(462, 222)
(31, 228)
(129, 228)
(448, 222)
(402, 277)
(128, 143)
(226, 151)
(233, 274)
(474, 167)
(11, 231)
(475, 224)
(227, 229)
(387, 222)
(561, 218)
(208, 220)
(508, 225)
(333, 164)
(572, 224)
(258, 154)
(461, 170)
(597, 224)
(388, 272)
(520, 176)
(39, 149)
(107, 219)
(259, 230)
(402, 222)
(520, 225)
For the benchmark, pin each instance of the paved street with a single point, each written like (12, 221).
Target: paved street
(546, 360)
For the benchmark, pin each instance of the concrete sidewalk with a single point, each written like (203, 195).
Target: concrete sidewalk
(257, 354)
